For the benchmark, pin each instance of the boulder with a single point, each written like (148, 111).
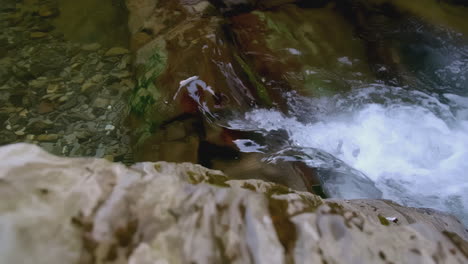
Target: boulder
(186, 68)
(64, 210)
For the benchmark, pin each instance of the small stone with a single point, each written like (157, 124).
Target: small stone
(24, 113)
(91, 47)
(101, 102)
(109, 127)
(38, 83)
(40, 126)
(52, 88)
(10, 109)
(55, 96)
(20, 132)
(47, 137)
(48, 12)
(87, 85)
(63, 98)
(30, 137)
(122, 74)
(45, 107)
(8, 127)
(97, 78)
(100, 66)
(38, 35)
(78, 80)
(117, 51)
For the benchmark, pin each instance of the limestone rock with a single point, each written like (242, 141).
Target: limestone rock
(63, 210)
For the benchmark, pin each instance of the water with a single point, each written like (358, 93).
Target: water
(405, 143)
(62, 85)
(386, 116)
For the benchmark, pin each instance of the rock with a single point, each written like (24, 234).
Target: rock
(48, 60)
(38, 83)
(20, 132)
(183, 213)
(37, 35)
(52, 88)
(47, 137)
(46, 11)
(88, 84)
(116, 51)
(40, 126)
(175, 131)
(101, 102)
(91, 47)
(109, 127)
(45, 107)
(63, 98)
(138, 40)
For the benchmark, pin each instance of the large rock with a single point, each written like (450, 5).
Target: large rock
(62, 210)
(187, 68)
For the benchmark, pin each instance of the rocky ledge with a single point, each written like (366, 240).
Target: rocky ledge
(85, 210)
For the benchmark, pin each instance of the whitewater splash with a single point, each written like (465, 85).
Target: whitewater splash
(412, 145)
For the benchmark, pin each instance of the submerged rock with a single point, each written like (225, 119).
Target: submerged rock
(63, 210)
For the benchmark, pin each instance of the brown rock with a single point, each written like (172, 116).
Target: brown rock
(45, 107)
(37, 35)
(47, 137)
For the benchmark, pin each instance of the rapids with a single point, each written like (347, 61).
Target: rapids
(406, 143)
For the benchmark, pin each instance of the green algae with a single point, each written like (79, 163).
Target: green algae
(254, 79)
(147, 92)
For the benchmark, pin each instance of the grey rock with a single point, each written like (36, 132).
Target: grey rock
(183, 213)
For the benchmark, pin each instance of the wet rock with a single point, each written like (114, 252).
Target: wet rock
(301, 57)
(46, 11)
(116, 51)
(173, 84)
(151, 212)
(91, 47)
(52, 88)
(40, 126)
(41, 78)
(47, 137)
(38, 83)
(45, 107)
(48, 61)
(37, 35)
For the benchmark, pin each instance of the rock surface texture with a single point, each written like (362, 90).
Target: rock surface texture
(64, 210)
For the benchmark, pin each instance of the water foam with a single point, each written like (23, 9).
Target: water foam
(412, 145)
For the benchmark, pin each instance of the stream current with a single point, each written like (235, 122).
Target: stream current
(405, 143)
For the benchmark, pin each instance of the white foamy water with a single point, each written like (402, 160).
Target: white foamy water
(413, 146)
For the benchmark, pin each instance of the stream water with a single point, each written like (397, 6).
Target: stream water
(404, 143)
(375, 109)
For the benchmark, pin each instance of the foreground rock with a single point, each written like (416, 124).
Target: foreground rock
(62, 210)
